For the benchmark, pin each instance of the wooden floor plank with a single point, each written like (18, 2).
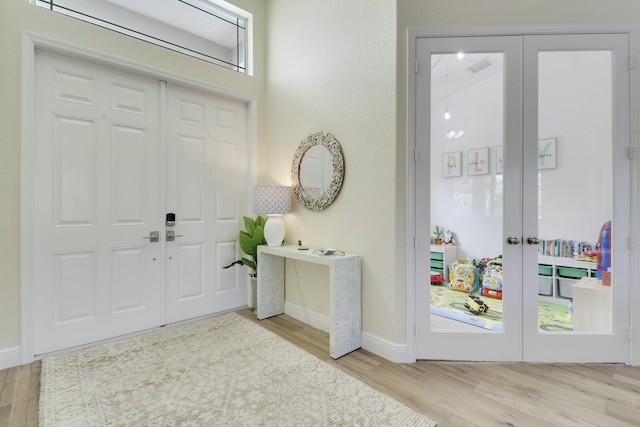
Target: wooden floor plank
(628, 413)
(454, 394)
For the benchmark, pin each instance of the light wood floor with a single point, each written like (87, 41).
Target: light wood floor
(451, 393)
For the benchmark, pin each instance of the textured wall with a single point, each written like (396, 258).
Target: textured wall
(332, 68)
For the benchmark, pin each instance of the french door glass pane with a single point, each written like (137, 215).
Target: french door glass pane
(575, 183)
(467, 128)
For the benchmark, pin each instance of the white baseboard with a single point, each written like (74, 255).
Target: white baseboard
(312, 318)
(9, 357)
(397, 353)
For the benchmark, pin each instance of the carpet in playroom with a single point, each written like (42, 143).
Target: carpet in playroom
(552, 317)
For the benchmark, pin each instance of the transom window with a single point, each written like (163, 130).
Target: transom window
(211, 30)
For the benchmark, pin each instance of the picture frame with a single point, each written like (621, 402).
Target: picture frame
(452, 164)
(547, 153)
(478, 161)
(499, 160)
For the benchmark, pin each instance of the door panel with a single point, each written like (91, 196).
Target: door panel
(577, 95)
(479, 205)
(206, 189)
(95, 195)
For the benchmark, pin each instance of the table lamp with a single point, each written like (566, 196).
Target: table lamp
(273, 201)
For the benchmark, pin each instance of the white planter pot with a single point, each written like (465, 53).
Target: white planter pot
(254, 293)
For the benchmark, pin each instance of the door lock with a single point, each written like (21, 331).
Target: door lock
(154, 236)
(171, 219)
(171, 235)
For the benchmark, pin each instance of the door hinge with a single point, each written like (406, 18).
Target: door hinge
(631, 152)
(415, 66)
(415, 155)
(632, 62)
(630, 333)
(414, 242)
(630, 240)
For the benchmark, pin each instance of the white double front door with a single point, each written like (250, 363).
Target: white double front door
(112, 154)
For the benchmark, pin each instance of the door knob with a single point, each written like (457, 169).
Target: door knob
(171, 235)
(512, 240)
(532, 240)
(154, 236)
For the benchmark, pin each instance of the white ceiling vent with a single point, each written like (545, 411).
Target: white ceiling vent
(479, 65)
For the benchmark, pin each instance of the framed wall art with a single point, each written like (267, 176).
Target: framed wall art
(499, 160)
(547, 153)
(451, 164)
(478, 161)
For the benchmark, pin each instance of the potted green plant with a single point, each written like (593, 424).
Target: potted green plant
(250, 238)
(438, 235)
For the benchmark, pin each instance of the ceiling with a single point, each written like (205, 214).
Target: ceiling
(185, 17)
(461, 71)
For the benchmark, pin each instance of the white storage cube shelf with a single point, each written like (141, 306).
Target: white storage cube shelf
(441, 258)
(558, 275)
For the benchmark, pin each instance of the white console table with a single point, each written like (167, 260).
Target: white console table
(345, 330)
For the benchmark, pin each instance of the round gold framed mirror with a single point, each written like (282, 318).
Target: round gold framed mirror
(317, 171)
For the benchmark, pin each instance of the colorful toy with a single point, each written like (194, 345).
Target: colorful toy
(448, 238)
(475, 305)
(491, 293)
(462, 276)
(603, 248)
(437, 279)
(492, 279)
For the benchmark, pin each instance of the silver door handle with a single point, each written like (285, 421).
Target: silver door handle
(532, 240)
(171, 235)
(154, 236)
(512, 240)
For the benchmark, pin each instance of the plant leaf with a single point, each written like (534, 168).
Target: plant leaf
(258, 237)
(233, 263)
(249, 225)
(247, 243)
(261, 221)
(252, 265)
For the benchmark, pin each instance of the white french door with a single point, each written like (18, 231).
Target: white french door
(532, 148)
(113, 153)
(207, 180)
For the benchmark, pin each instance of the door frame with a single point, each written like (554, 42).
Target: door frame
(412, 240)
(31, 42)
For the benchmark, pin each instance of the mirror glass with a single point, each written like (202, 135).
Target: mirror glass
(317, 171)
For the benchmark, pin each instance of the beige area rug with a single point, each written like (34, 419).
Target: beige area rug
(220, 371)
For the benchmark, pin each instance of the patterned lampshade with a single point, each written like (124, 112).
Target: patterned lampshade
(273, 200)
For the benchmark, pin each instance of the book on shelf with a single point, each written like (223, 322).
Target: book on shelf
(564, 248)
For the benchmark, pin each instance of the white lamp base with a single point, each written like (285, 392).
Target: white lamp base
(274, 230)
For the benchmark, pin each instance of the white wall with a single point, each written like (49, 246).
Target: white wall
(575, 198)
(332, 68)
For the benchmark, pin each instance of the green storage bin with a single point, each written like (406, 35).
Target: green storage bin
(437, 264)
(574, 273)
(545, 270)
(437, 255)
